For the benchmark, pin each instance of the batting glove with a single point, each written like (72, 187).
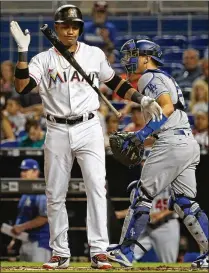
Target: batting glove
(152, 108)
(22, 39)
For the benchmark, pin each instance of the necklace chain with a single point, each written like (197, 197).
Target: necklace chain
(60, 61)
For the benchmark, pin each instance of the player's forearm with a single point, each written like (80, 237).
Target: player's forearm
(21, 72)
(124, 89)
(167, 110)
(166, 212)
(155, 217)
(23, 82)
(38, 108)
(35, 223)
(133, 95)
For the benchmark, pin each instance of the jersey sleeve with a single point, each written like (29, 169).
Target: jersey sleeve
(41, 204)
(152, 85)
(106, 71)
(36, 69)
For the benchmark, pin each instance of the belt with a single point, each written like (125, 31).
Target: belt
(67, 120)
(183, 132)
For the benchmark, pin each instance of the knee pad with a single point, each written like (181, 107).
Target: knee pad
(184, 206)
(138, 195)
(193, 217)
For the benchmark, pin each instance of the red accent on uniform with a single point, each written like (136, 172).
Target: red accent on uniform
(34, 77)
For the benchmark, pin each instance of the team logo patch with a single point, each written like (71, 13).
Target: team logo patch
(152, 87)
(72, 13)
(55, 77)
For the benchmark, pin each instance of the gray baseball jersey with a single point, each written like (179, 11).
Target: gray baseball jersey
(158, 83)
(175, 154)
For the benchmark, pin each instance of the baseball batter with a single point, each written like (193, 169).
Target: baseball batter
(172, 160)
(73, 128)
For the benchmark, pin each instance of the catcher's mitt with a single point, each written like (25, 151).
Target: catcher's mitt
(132, 155)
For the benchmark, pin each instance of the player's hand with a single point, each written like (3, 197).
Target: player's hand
(17, 229)
(10, 246)
(22, 39)
(104, 33)
(152, 108)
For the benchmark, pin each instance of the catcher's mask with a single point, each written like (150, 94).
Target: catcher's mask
(133, 49)
(67, 14)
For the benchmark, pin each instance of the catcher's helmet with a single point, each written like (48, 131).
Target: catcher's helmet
(132, 49)
(67, 14)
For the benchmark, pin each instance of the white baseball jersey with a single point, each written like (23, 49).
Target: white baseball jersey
(63, 90)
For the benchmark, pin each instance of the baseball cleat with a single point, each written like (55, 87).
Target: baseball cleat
(57, 262)
(124, 257)
(201, 262)
(100, 261)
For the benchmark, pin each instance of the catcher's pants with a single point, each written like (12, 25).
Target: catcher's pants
(31, 252)
(164, 240)
(172, 160)
(63, 143)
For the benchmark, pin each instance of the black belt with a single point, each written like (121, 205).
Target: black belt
(67, 120)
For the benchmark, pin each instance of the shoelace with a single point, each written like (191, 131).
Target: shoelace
(55, 259)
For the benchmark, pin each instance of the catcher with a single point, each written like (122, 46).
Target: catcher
(172, 160)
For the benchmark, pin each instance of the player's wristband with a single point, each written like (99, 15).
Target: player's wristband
(137, 97)
(150, 128)
(23, 56)
(21, 73)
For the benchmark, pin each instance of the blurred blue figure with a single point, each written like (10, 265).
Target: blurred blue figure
(32, 218)
(99, 32)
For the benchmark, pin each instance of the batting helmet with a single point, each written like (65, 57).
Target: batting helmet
(132, 49)
(67, 14)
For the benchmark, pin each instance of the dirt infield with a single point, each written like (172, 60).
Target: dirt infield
(148, 267)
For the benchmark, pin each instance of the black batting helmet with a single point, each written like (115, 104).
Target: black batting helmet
(67, 14)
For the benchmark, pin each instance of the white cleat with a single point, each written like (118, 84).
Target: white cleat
(201, 262)
(57, 262)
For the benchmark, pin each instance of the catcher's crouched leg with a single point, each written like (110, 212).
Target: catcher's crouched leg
(134, 223)
(138, 214)
(193, 217)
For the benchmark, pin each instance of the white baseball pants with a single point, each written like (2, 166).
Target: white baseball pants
(63, 143)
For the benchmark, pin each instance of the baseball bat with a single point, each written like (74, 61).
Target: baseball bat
(54, 40)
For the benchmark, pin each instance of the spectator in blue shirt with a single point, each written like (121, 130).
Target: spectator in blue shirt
(99, 32)
(191, 70)
(32, 218)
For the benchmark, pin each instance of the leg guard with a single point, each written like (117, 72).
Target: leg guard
(193, 217)
(137, 217)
